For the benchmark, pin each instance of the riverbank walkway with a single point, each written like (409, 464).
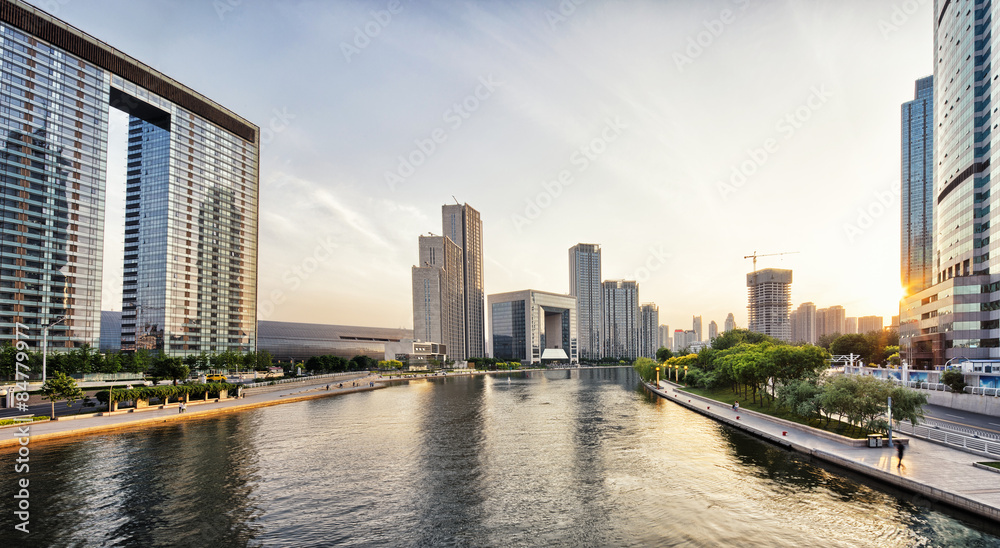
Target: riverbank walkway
(256, 397)
(937, 472)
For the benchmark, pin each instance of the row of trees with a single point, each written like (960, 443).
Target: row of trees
(86, 359)
(337, 364)
(778, 375)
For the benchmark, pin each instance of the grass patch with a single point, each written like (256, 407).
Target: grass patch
(8, 422)
(991, 464)
(728, 397)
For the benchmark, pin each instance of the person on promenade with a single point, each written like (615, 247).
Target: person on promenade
(899, 454)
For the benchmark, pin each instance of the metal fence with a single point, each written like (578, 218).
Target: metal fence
(958, 440)
(299, 379)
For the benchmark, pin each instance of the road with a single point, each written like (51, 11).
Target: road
(962, 422)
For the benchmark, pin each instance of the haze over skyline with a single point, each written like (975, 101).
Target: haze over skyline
(608, 125)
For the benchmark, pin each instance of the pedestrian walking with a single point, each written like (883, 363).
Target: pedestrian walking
(899, 453)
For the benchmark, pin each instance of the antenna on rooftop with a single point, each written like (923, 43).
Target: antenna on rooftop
(456, 199)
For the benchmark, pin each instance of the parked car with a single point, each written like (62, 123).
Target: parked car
(215, 378)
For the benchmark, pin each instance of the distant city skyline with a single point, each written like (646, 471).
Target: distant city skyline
(613, 126)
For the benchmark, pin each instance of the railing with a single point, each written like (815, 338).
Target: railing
(958, 440)
(299, 379)
(981, 391)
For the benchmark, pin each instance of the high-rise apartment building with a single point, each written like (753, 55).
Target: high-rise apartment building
(696, 327)
(713, 330)
(830, 321)
(867, 324)
(851, 325)
(438, 295)
(804, 323)
(917, 198)
(585, 285)
(769, 302)
(649, 335)
(680, 341)
(461, 223)
(665, 337)
(190, 263)
(620, 302)
(730, 322)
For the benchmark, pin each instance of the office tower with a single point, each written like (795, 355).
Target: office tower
(664, 337)
(649, 336)
(585, 285)
(730, 322)
(769, 301)
(620, 323)
(696, 327)
(461, 223)
(679, 341)
(804, 323)
(851, 326)
(956, 317)
(534, 326)
(917, 199)
(713, 330)
(190, 263)
(438, 295)
(867, 324)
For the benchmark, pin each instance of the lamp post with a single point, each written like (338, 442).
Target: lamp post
(45, 344)
(685, 372)
(657, 376)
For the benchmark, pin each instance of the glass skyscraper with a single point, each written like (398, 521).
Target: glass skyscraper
(620, 325)
(959, 316)
(190, 279)
(585, 285)
(462, 224)
(917, 219)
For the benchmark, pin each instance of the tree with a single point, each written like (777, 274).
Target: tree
(954, 379)
(62, 387)
(862, 345)
(663, 354)
(171, 368)
(362, 363)
(738, 336)
(646, 367)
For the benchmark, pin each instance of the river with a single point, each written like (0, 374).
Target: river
(557, 458)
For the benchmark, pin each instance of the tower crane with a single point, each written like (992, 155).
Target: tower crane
(755, 255)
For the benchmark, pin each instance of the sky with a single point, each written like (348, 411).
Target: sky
(681, 136)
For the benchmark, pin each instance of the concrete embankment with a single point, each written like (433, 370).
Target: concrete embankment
(129, 419)
(937, 472)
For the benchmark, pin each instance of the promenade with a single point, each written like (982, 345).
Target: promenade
(937, 472)
(125, 419)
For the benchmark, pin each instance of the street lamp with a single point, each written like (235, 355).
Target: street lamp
(45, 344)
(657, 376)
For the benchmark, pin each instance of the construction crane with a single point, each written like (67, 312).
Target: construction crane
(755, 255)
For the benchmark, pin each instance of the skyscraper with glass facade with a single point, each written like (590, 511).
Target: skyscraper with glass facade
(959, 316)
(533, 327)
(438, 301)
(585, 285)
(190, 278)
(462, 224)
(917, 219)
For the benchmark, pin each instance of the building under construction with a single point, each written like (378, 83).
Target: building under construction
(769, 302)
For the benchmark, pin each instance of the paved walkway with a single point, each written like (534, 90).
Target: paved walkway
(935, 471)
(287, 393)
